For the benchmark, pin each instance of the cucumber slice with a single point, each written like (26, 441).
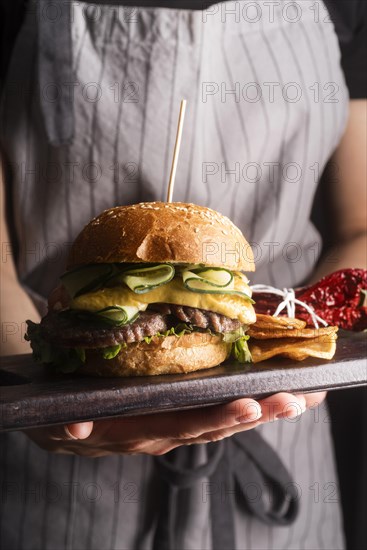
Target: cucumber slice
(144, 279)
(217, 276)
(204, 279)
(118, 315)
(87, 278)
(209, 282)
(223, 291)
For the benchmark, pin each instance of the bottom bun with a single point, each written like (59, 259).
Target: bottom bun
(163, 355)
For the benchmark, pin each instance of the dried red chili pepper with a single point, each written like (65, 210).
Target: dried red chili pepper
(339, 299)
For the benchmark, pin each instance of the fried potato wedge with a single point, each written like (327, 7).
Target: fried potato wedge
(270, 322)
(267, 334)
(298, 349)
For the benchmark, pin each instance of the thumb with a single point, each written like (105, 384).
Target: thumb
(70, 432)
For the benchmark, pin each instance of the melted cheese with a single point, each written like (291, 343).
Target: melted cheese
(174, 292)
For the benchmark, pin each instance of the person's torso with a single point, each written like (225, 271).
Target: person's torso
(267, 105)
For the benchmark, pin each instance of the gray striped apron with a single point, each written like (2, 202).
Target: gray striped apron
(267, 105)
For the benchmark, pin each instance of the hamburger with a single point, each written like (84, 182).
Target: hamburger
(151, 288)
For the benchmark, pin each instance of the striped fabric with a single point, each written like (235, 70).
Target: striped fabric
(267, 105)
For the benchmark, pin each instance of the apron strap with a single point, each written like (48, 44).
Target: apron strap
(55, 70)
(232, 465)
(222, 501)
(264, 469)
(176, 476)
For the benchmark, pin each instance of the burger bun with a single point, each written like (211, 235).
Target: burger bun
(159, 232)
(163, 355)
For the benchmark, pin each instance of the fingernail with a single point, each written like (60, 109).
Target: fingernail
(251, 413)
(294, 409)
(302, 402)
(68, 434)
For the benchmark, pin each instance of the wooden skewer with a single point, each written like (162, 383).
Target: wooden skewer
(176, 151)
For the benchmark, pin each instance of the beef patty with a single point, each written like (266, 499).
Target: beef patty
(198, 317)
(66, 331)
(63, 330)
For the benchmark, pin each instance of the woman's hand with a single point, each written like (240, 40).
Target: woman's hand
(159, 433)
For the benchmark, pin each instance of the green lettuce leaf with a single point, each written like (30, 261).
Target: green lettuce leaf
(80, 353)
(62, 359)
(178, 330)
(111, 352)
(234, 335)
(240, 350)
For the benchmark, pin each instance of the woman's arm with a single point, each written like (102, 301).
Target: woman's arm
(16, 306)
(348, 196)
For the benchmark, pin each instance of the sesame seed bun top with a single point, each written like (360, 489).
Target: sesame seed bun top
(158, 232)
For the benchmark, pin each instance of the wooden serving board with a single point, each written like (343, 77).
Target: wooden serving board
(33, 396)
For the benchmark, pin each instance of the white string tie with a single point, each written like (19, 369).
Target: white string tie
(289, 301)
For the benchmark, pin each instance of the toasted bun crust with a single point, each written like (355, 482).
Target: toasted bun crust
(162, 232)
(169, 355)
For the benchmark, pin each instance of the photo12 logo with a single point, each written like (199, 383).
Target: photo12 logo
(270, 11)
(270, 92)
